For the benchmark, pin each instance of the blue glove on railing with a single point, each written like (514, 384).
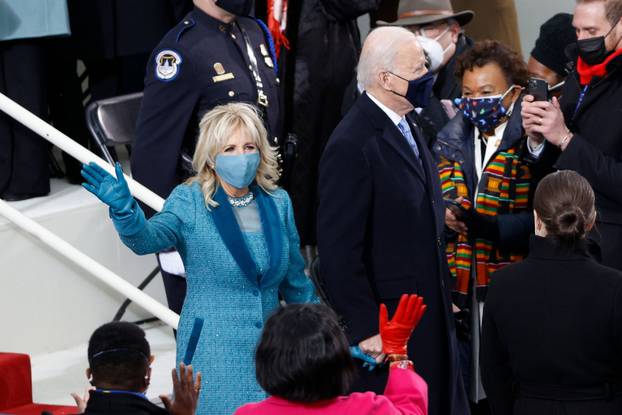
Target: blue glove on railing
(369, 362)
(111, 191)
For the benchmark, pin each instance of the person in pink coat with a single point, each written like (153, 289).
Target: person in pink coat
(303, 361)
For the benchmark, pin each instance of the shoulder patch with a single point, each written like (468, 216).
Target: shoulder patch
(167, 65)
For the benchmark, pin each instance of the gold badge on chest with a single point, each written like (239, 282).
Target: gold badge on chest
(221, 73)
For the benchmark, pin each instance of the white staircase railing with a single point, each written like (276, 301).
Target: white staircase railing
(59, 245)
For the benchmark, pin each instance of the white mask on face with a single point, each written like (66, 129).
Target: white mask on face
(434, 50)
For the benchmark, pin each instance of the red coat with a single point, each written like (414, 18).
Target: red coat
(406, 393)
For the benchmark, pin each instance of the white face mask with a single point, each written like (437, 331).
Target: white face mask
(434, 50)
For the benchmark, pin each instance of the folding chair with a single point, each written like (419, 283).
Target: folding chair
(112, 122)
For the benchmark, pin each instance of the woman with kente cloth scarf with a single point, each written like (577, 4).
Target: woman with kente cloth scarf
(486, 166)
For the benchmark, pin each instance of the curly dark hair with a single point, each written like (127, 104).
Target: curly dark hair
(489, 51)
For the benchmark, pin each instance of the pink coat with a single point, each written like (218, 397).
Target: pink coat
(406, 393)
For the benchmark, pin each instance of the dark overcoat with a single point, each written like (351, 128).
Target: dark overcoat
(595, 151)
(380, 226)
(552, 335)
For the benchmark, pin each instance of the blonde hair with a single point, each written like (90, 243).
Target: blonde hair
(215, 128)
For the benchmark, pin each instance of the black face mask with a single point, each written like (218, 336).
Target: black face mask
(593, 50)
(419, 90)
(237, 7)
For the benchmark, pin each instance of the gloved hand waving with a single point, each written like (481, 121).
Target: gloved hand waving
(113, 192)
(396, 333)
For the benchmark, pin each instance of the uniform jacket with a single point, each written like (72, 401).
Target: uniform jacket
(25, 19)
(405, 394)
(199, 64)
(552, 329)
(234, 280)
(120, 404)
(595, 151)
(380, 225)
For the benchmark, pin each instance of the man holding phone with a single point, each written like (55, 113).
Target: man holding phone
(586, 125)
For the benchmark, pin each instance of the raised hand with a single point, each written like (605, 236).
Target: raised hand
(186, 390)
(113, 192)
(396, 333)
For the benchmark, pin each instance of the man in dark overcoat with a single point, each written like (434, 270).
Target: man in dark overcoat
(381, 218)
(585, 125)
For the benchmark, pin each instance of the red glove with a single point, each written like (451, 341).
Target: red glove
(395, 333)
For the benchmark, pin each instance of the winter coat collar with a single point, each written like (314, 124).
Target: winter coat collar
(550, 248)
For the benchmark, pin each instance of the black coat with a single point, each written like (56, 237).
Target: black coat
(380, 223)
(595, 151)
(552, 329)
(121, 404)
(107, 29)
(323, 62)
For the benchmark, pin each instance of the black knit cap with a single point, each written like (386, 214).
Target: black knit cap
(555, 35)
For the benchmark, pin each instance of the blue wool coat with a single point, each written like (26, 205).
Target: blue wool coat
(25, 19)
(234, 279)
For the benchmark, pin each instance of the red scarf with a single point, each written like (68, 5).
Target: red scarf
(587, 72)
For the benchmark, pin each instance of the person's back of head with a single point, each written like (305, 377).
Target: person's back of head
(303, 355)
(564, 207)
(119, 357)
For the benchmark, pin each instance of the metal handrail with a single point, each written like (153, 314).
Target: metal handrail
(75, 150)
(65, 249)
(87, 263)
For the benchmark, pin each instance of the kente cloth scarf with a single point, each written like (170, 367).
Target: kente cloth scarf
(504, 188)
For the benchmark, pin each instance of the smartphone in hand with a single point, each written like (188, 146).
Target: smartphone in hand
(539, 88)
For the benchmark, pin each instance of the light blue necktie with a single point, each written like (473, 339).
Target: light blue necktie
(405, 129)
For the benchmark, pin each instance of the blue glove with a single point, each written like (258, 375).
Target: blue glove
(369, 362)
(111, 191)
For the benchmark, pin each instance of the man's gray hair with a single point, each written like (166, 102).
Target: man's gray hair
(379, 52)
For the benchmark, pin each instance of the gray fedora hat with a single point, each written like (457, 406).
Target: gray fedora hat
(418, 12)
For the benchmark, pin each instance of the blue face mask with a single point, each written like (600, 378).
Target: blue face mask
(240, 170)
(419, 90)
(485, 112)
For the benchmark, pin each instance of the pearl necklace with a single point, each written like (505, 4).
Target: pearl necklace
(241, 201)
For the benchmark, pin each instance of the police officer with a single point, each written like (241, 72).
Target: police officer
(215, 55)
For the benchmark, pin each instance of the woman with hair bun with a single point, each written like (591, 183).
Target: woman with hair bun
(552, 326)
(234, 229)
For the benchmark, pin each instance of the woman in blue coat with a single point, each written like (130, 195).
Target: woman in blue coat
(235, 231)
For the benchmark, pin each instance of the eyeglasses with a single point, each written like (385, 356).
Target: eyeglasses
(431, 30)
